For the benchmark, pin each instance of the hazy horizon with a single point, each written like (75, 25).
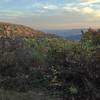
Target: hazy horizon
(51, 14)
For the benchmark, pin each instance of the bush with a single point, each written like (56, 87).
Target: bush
(67, 67)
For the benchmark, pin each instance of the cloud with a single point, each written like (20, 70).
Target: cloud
(90, 12)
(87, 10)
(10, 14)
(50, 7)
(90, 1)
(51, 13)
(93, 13)
(71, 7)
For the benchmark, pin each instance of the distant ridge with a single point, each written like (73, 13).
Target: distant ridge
(13, 30)
(71, 34)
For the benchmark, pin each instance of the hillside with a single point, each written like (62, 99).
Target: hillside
(13, 30)
(50, 64)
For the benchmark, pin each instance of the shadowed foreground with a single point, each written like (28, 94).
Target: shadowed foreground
(51, 67)
(36, 95)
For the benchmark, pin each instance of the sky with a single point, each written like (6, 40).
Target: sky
(51, 14)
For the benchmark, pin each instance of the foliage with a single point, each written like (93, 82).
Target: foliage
(52, 63)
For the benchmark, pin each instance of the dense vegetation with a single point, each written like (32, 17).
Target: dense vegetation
(68, 69)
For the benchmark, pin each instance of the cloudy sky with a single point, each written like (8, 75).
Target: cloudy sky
(51, 14)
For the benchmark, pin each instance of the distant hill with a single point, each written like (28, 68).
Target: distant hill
(12, 30)
(72, 34)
